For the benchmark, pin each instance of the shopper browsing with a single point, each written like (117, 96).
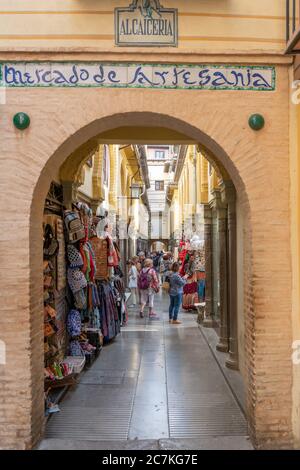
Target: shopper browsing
(148, 285)
(176, 292)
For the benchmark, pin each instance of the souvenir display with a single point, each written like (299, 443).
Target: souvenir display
(84, 293)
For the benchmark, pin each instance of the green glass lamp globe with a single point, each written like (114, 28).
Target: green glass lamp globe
(21, 121)
(256, 122)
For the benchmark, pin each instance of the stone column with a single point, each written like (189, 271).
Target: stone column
(223, 344)
(70, 191)
(232, 361)
(208, 318)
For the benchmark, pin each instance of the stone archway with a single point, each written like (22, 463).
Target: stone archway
(49, 142)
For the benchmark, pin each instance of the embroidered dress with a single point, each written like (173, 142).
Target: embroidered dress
(190, 290)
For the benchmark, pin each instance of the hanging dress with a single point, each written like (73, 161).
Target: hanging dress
(190, 290)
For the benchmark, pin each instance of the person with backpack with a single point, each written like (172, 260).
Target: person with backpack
(148, 285)
(176, 292)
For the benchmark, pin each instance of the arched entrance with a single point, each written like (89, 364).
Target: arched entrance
(49, 143)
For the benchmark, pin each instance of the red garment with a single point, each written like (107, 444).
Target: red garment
(182, 269)
(190, 293)
(82, 252)
(92, 265)
(190, 288)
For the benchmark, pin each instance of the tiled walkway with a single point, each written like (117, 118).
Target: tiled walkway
(156, 386)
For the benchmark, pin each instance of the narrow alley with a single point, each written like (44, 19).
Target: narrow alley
(157, 386)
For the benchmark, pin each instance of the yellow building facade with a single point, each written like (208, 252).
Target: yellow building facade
(62, 66)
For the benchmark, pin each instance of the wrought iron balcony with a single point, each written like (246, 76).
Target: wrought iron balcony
(293, 26)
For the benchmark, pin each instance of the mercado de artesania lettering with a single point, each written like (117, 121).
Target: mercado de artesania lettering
(137, 75)
(150, 224)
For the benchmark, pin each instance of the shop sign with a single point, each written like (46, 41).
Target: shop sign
(146, 23)
(128, 75)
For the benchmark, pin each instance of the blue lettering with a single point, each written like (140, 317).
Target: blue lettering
(74, 77)
(13, 76)
(249, 77)
(141, 78)
(38, 75)
(84, 74)
(261, 81)
(45, 76)
(112, 76)
(204, 76)
(176, 76)
(220, 80)
(100, 78)
(60, 79)
(239, 79)
(162, 75)
(29, 79)
(186, 77)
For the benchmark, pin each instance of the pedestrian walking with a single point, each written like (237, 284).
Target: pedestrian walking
(133, 280)
(142, 258)
(156, 264)
(140, 261)
(148, 285)
(165, 266)
(176, 292)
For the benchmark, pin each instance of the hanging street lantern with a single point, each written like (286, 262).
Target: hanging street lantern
(135, 191)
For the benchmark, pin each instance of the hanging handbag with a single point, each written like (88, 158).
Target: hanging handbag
(74, 257)
(74, 226)
(74, 323)
(51, 245)
(80, 299)
(76, 279)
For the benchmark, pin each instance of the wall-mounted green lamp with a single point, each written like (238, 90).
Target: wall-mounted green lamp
(256, 122)
(21, 121)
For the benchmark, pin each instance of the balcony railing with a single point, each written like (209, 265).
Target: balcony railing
(293, 26)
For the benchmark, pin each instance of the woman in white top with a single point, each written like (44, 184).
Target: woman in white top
(133, 279)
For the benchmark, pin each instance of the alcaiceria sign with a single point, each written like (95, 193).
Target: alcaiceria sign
(146, 23)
